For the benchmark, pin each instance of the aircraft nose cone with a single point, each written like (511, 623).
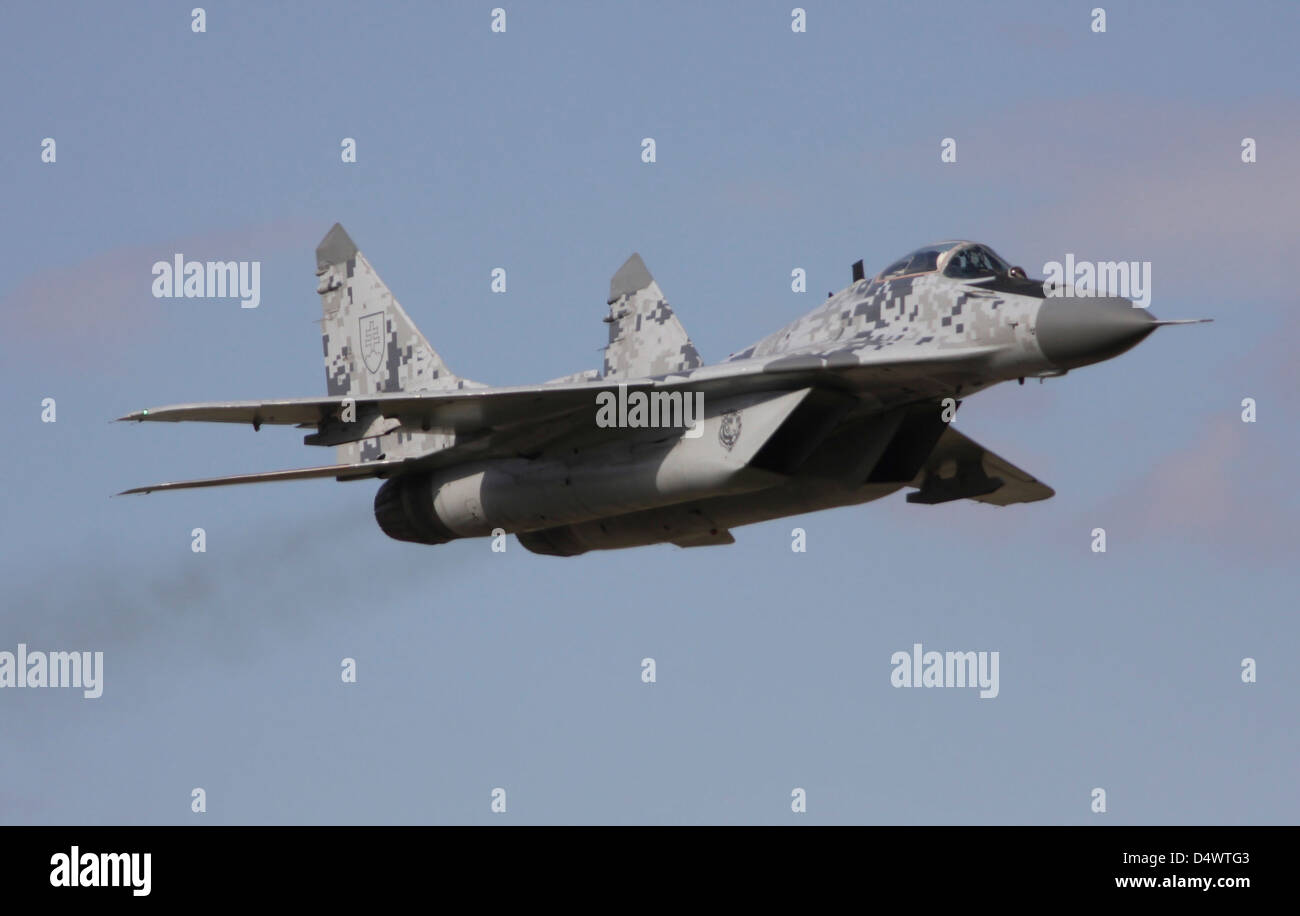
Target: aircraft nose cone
(1075, 331)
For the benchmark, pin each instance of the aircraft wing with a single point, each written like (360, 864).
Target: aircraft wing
(465, 409)
(477, 409)
(488, 422)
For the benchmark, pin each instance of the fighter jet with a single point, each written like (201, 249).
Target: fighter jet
(845, 405)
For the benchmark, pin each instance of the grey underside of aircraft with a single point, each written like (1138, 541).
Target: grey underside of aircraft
(848, 404)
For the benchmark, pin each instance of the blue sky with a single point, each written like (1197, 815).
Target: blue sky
(775, 150)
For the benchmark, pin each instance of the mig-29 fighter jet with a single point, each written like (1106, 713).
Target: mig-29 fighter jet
(847, 404)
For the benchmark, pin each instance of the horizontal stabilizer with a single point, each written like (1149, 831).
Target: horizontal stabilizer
(337, 471)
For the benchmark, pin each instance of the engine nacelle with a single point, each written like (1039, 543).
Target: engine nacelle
(402, 510)
(623, 477)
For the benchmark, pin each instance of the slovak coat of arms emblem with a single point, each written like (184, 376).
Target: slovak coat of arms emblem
(373, 341)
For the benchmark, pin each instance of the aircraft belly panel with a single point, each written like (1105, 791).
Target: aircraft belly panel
(699, 521)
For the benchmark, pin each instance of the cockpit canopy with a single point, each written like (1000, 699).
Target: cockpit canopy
(959, 260)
